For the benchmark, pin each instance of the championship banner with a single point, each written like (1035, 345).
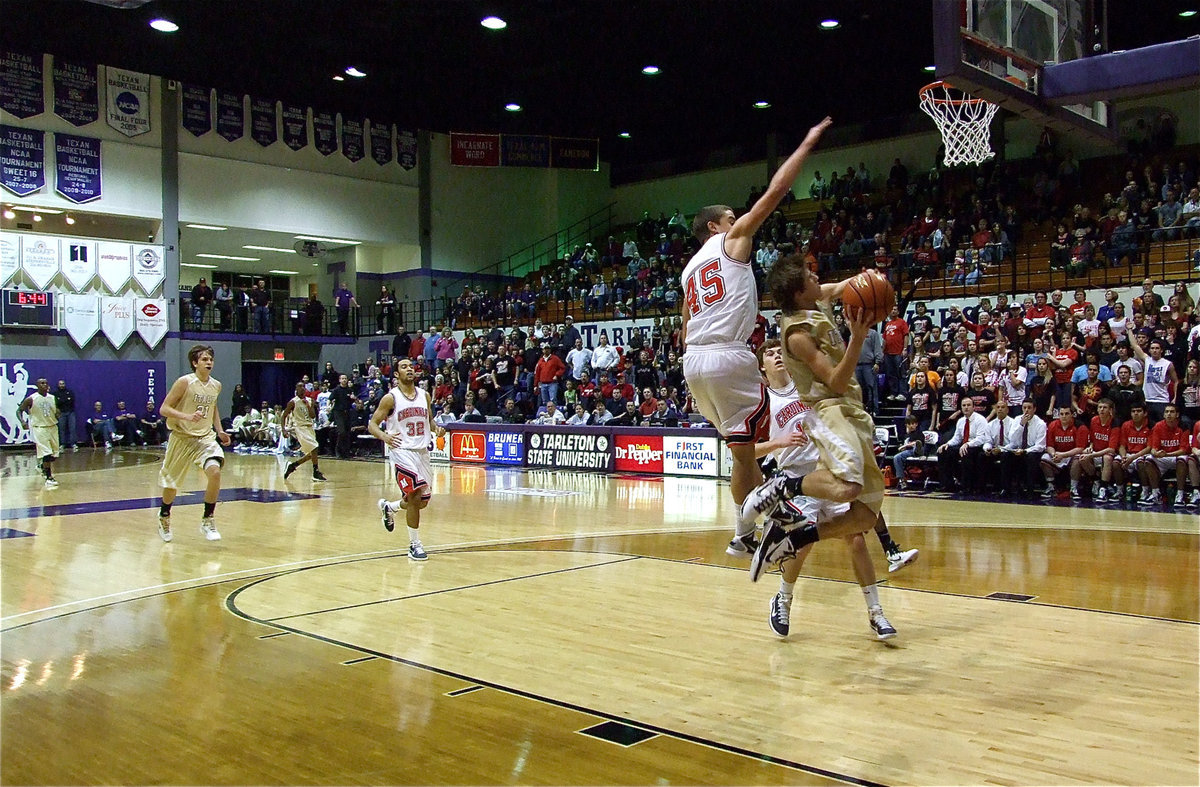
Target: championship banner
(113, 261)
(567, 153)
(406, 149)
(116, 319)
(325, 133)
(262, 121)
(76, 92)
(517, 150)
(381, 143)
(196, 110)
(352, 138)
(150, 314)
(21, 84)
(148, 267)
(79, 263)
(22, 160)
(128, 105)
(81, 317)
(231, 116)
(10, 256)
(474, 150)
(39, 259)
(295, 126)
(77, 167)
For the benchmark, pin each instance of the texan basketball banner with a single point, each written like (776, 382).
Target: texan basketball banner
(325, 133)
(76, 92)
(116, 319)
(113, 263)
(150, 315)
(77, 167)
(196, 110)
(39, 259)
(406, 149)
(231, 116)
(128, 101)
(352, 138)
(295, 126)
(81, 317)
(10, 256)
(21, 84)
(262, 121)
(22, 160)
(78, 262)
(148, 268)
(381, 142)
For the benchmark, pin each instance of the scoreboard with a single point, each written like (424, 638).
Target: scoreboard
(28, 309)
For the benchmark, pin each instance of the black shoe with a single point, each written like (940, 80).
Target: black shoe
(291, 468)
(742, 546)
(318, 475)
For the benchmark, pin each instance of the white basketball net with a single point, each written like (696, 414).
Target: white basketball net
(964, 121)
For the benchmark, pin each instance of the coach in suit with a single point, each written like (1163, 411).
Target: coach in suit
(958, 456)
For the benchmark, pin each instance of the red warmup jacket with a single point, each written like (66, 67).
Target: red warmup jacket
(549, 369)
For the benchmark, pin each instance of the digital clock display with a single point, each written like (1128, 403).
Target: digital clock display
(28, 309)
(32, 298)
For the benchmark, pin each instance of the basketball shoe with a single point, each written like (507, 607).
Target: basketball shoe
(899, 558)
(291, 468)
(164, 528)
(416, 551)
(776, 546)
(742, 546)
(879, 624)
(389, 523)
(781, 612)
(208, 526)
(765, 497)
(318, 475)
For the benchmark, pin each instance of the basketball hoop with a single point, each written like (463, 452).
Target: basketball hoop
(964, 122)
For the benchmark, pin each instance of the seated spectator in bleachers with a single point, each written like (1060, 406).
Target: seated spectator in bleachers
(581, 417)
(152, 429)
(511, 414)
(912, 444)
(664, 415)
(601, 415)
(101, 427)
(629, 416)
(550, 415)
(470, 413)
(125, 424)
(1169, 212)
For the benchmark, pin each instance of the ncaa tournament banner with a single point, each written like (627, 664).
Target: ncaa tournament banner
(116, 319)
(150, 315)
(295, 126)
(381, 142)
(113, 260)
(565, 448)
(76, 92)
(406, 149)
(352, 138)
(79, 262)
(22, 160)
(10, 256)
(567, 153)
(81, 317)
(77, 167)
(148, 268)
(518, 150)
(196, 110)
(262, 121)
(231, 116)
(39, 259)
(474, 150)
(21, 84)
(325, 133)
(128, 107)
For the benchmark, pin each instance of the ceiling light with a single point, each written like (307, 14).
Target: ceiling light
(164, 25)
(830, 24)
(1188, 14)
(47, 211)
(70, 219)
(624, 135)
(651, 70)
(212, 227)
(512, 106)
(197, 265)
(762, 104)
(9, 214)
(493, 23)
(338, 78)
(334, 241)
(37, 217)
(351, 71)
(270, 248)
(929, 69)
(228, 257)
(284, 273)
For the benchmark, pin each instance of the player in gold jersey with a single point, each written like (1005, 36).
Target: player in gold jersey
(41, 411)
(302, 413)
(191, 412)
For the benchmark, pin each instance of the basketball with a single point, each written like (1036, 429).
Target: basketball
(872, 292)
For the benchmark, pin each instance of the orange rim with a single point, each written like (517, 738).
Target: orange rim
(927, 93)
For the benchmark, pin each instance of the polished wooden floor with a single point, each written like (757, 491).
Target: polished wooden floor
(305, 648)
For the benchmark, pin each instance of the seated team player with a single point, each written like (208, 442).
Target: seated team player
(796, 454)
(1065, 440)
(1134, 448)
(1193, 464)
(1168, 451)
(298, 419)
(1098, 457)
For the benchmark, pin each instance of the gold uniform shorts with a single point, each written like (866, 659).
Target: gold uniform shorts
(185, 452)
(845, 438)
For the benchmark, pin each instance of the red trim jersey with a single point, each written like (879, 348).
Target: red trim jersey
(1105, 436)
(1164, 437)
(720, 296)
(1134, 439)
(1061, 439)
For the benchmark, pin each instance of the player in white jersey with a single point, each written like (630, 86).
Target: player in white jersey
(302, 413)
(42, 414)
(719, 310)
(796, 453)
(410, 429)
(195, 423)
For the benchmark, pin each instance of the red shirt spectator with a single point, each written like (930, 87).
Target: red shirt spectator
(1061, 439)
(1063, 375)
(894, 332)
(417, 348)
(1041, 311)
(549, 369)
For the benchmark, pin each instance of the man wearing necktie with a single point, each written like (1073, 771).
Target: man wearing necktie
(1027, 443)
(995, 448)
(957, 457)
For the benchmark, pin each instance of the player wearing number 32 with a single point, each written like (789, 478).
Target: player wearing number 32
(410, 428)
(719, 311)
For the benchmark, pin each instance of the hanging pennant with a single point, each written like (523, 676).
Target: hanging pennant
(381, 143)
(21, 84)
(128, 94)
(22, 160)
(324, 133)
(295, 126)
(39, 259)
(352, 138)
(76, 92)
(77, 167)
(10, 256)
(113, 261)
(81, 317)
(78, 263)
(148, 268)
(406, 149)
(196, 110)
(262, 121)
(116, 319)
(231, 116)
(150, 315)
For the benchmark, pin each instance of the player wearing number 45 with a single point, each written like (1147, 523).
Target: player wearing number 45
(719, 313)
(190, 408)
(410, 429)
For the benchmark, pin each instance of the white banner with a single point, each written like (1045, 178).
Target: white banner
(81, 317)
(151, 317)
(79, 262)
(128, 106)
(113, 261)
(116, 319)
(148, 270)
(10, 256)
(39, 259)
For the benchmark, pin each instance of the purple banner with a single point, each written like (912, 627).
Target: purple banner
(381, 143)
(231, 116)
(196, 115)
(77, 167)
(21, 84)
(352, 138)
(406, 149)
(324, 133)
(295, 126)
(76, 93)
(262, 121)
(107, 382)
(22, 160)
(518, 150)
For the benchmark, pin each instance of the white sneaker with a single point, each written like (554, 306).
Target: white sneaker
(1152, 499)
(781, 612)
(1194, 500)
(766, 496)
(164, 528)
(899, 559)
(209, 528)
(1180, 499)
(1102, 494)
(879, 624)
(53, 484)
(416, 551)
(385, 512)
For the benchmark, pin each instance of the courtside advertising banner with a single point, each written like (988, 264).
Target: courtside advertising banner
(567, 450)
(690, 456)
(148, 270)
(150, 315)
(79, 262)
(22, 160)
(440, 452)
(638, 453)
(128, 107)
(10, 256)
(39, 259)
(505, 448)
(468, 447)
(114, 263)
(116, 319)
(81, 317)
